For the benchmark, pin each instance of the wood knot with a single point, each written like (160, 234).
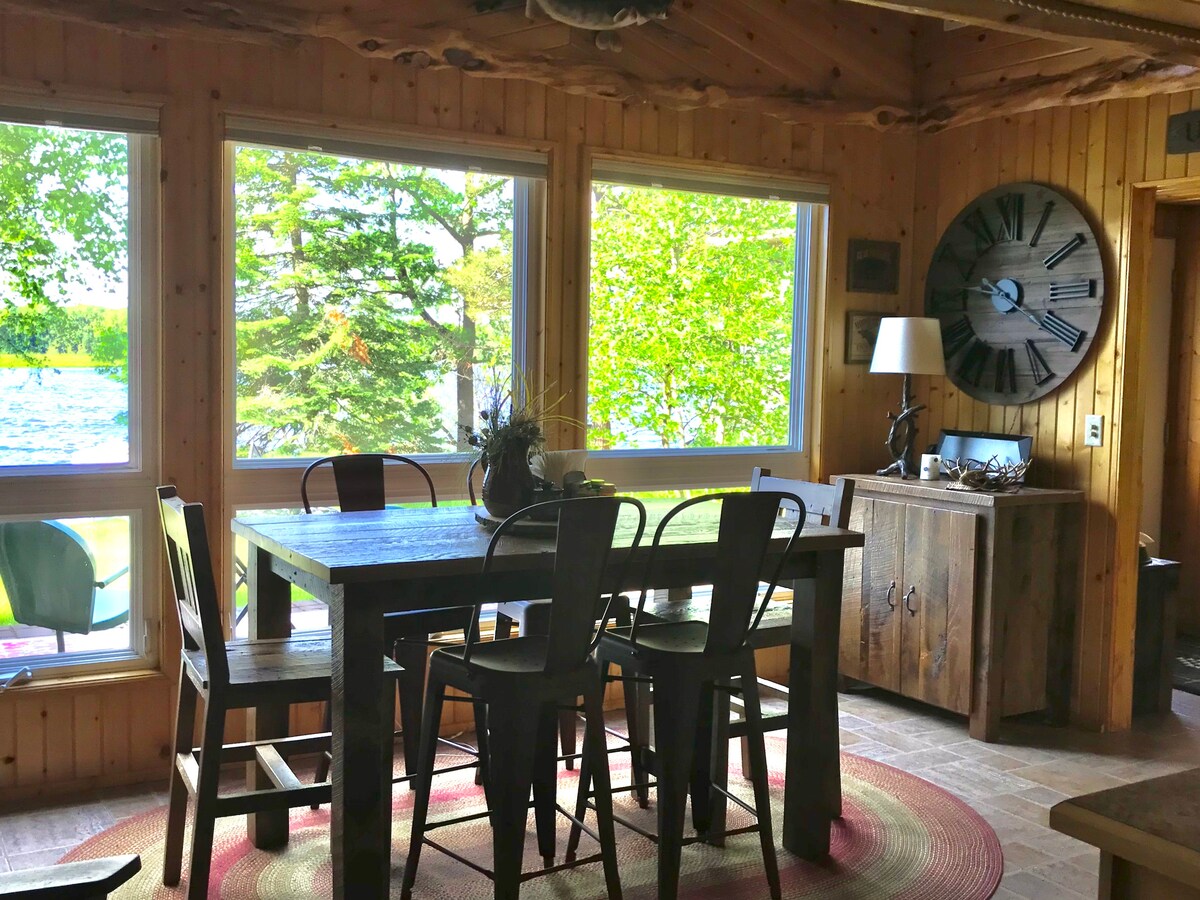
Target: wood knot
(464, 59)
(370, 45)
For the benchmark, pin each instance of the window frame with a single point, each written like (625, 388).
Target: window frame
(683, 468)
(101, 490)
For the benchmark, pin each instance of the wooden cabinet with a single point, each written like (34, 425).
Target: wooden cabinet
(963, 600)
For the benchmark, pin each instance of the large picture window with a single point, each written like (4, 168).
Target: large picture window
(77, 218)
(698, 307)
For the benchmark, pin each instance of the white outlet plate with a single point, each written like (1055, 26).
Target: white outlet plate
(1093, 431)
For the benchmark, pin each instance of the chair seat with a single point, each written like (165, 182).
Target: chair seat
(305, 664)
(775, 630)
(418, 622)
(516, 656)
(111, 607)
(662, 637)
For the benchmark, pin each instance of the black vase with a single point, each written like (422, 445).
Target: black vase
(508, 484)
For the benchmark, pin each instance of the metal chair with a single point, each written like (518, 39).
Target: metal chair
(523, 681)
(237, 675)
(92, 879)
(49, 574)
(697, 664)
(361, 484)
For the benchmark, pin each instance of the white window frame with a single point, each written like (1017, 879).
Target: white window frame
(682, 468)
(65, 491)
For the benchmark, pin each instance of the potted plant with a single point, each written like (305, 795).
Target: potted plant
(511, 431)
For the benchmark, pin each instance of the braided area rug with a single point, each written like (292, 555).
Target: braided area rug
(899, 837)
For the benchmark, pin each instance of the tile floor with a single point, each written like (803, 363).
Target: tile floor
(1012, 784)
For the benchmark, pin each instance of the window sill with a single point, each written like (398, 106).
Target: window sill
(83, 681)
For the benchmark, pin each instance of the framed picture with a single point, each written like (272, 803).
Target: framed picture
(873, 267)
(862, 329)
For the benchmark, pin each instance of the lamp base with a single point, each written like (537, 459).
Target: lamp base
(902, 435)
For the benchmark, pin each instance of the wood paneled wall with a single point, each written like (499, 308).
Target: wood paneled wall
(1095, 152)
(196, 82)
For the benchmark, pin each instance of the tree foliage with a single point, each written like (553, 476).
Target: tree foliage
(363, 286)
(691, 319)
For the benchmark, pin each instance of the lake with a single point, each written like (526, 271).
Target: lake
(50, 416)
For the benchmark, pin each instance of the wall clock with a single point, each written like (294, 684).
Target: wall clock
(1017, 282)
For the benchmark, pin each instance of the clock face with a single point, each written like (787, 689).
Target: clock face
(1017, 282)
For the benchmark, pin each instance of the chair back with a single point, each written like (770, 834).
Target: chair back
(586, 529)
(49, 574)
(360, 481)
(192, 580)
(744, 534)
(831, 502)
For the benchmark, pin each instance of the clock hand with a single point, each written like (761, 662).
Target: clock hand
(1063, 331)
(996, 291)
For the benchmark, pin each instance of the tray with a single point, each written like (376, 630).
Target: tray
(524, 528)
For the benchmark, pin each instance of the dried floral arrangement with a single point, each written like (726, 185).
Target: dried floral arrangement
(992, 476)
(512, 422)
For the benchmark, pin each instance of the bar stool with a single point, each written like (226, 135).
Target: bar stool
(522, 682)
(694, 664)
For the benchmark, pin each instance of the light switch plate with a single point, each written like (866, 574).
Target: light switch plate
(1093, 431)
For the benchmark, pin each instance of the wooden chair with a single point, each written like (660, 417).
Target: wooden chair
(49, 574)
(361, 484)
(523, 681)
(237, 675)
(697, 664)
(91, 879)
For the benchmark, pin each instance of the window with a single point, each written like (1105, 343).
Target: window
(699, 310)
(78, 211)
(378, 293)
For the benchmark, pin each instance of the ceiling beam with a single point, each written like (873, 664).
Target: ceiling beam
(1064, 20)
(374, 32)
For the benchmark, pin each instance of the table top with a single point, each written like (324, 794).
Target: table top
(399, 544)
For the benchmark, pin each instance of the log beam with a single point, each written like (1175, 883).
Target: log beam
(376, 33)
(1122, 32)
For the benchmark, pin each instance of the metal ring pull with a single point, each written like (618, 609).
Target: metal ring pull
(907, 597)
(891, 590)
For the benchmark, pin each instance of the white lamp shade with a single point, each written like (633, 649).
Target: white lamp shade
(909, 346)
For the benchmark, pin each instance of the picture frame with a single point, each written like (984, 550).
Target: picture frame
(873, 267)
(862, 330)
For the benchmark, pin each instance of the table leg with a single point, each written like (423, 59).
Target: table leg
(270, 601)
(361, 829)
(812, 786)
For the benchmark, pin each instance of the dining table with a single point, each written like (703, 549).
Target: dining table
(363, 565)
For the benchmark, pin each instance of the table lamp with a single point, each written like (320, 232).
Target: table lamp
(908, 347)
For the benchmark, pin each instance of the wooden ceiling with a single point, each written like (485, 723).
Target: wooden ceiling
(884, 63)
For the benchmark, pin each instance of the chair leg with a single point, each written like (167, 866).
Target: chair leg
(504, 627)
(595, 759)
(545, 786)
(719, 768)
(675, 743)
(434, 693)
(567, 724)
(206, 800)
(483, 772)
(758, 774)
(701, 789)
(411, 654)
(581, 795)
(512, 749)
(639, 737)
(185, 736)
(325, 760)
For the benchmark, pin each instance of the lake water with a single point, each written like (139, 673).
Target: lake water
(50, 416)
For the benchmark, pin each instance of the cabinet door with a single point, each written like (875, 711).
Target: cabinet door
(937, 606)
(870, 638)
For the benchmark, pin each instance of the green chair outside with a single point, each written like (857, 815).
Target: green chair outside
(49, 574)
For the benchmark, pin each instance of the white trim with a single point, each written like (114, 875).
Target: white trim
(747, 183)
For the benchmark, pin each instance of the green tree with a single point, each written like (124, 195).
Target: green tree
(360, 288)
(691, 319)
(63, 227)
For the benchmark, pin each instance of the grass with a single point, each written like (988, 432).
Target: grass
(53, 360)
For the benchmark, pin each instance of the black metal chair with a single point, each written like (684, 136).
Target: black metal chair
(523, 681)
(697, 664)
(361, 484)
(224, 677)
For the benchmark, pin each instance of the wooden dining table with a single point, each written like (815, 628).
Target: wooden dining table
(366, 564)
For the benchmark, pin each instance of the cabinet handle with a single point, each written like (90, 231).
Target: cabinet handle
(891, 590)
(907, 597)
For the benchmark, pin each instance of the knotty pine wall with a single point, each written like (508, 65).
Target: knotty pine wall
(71, 736)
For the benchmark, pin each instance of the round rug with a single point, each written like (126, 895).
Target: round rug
(899, 837)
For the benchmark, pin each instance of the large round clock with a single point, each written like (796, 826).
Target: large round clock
(1017, 282)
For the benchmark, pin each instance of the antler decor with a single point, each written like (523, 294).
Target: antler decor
(992, 476)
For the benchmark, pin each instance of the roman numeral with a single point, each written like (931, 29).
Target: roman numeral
(976, 223)
(1063, 330)
(1041, 225)
(956, 335)
(974, 363)
(1037, 364)
(1012, 216)
(1006, 371)
(944, 301)
(1073, 290)
(949, 255)
(1063, 252)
